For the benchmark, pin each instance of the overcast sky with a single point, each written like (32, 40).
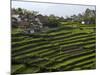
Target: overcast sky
(48, 8)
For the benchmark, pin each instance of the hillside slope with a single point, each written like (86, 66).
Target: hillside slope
(61, 49)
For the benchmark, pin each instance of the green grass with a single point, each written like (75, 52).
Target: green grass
(72, 60)
(54, 50)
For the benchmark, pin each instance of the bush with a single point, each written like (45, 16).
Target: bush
(53, 23)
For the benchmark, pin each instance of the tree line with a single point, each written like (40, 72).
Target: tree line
(88, 16)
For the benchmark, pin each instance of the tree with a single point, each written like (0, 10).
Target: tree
(89, 16)
(61, 19)
(53, 21)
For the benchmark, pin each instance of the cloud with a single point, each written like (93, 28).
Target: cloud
(48, 8)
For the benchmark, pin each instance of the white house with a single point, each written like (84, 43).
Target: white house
(83, 22)
(16, 16)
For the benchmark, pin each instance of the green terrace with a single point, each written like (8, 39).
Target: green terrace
(61, 49)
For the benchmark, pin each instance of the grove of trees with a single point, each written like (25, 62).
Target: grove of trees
(89, 17)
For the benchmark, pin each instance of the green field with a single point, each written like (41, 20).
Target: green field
(67, 48)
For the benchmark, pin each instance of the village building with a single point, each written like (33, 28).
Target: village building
(29, 24)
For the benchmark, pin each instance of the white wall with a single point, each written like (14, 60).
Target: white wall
(5, 37)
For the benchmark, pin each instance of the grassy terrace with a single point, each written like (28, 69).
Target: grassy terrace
(71, 61)
(61, 49)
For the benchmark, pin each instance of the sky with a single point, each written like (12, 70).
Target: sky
(49, 8)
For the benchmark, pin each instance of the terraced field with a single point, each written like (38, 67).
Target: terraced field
(61, 49)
